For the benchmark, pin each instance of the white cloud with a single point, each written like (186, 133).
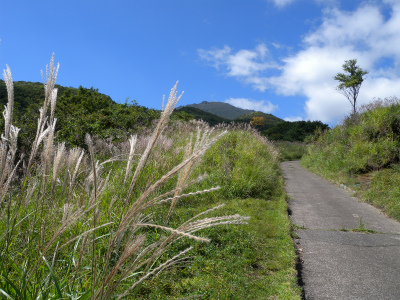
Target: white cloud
(293, 119)
(258, 105)
(245, 65)
(365, 34)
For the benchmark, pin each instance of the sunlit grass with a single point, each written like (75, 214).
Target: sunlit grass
(85, 224)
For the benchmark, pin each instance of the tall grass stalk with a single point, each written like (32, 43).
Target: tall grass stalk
(202, 138)
(49, 82)
(169, 108)
(72, 228)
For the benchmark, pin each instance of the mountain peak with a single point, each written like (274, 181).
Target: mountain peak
(221, 109)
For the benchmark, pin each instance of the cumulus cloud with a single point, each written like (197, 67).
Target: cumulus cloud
(258, 105)
(245, 65)
(363, 34)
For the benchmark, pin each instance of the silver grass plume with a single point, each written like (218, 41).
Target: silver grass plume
(53, 101)
(132, 143)
(72, 180)
(193, 225)
(48, 150)
(8, 111)
(49, 82)
(57, 164)
(73, 156)
(169, 108)
(4, 187)
(8, 144)
(202, 138)
(140, 203)
(13, 139)
(10, 156)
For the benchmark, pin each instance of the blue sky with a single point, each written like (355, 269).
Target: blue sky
(277, 56)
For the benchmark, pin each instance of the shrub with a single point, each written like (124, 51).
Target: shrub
(234, 156)
(364, 142)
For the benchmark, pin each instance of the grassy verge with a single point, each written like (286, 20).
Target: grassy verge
(382, 189)
(253, 261)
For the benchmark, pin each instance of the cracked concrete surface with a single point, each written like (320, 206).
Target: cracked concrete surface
(340, 264)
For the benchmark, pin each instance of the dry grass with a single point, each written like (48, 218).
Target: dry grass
(71, 228)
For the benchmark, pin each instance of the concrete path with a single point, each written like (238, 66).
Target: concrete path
(338, 264)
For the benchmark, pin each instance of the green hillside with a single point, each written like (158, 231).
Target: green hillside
(269, 120)
(369, 141)
(78, 111)
(199, 114)
(221, 109)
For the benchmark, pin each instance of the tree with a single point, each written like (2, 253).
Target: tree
(257, 121)
(351, 81)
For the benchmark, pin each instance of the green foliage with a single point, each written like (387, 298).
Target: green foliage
(221, 109)
(350, 82)
(383, 190)
(85, 111)
(247, 167)
(254, 261)
(73, 227)
(269, 120)
(370, 141)
(290, 150)
(294, 131)
(78, 112)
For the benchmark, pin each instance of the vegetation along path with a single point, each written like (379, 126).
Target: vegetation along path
(348, 249)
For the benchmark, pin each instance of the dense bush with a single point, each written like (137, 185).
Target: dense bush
(246, 163)
(294, 131)
(269, 120)
(367, 141)
(79, 112)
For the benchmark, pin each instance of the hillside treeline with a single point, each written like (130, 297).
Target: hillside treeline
(84, 110)
(294, 131)
(78, 111)
(213, 119)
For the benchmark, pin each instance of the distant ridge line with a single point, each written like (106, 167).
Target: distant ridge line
(221, 109)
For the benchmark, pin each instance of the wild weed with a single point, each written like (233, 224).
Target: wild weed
(73, 227)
